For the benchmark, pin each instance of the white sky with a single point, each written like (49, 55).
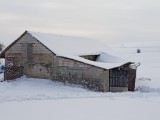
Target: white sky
(107, 20)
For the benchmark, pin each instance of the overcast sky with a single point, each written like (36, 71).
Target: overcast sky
(108, 20)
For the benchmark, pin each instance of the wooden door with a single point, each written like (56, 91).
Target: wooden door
(132, 78)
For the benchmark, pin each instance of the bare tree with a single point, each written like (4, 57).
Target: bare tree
(1, 47)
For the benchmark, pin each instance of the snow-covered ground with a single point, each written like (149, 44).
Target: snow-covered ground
(148, 71)
(39, 99)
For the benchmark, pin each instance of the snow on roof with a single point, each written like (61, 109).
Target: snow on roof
(63, 44)
(105, 65)
(107, 58)
(72, 47)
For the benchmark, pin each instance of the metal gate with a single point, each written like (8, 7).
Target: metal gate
(122, 78)
(118, 78)
(13, 72)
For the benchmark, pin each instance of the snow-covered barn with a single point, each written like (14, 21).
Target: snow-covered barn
(68, 59)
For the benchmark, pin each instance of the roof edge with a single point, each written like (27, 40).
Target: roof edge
(2, 55)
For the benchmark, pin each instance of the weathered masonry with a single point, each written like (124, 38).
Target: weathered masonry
(35, 55)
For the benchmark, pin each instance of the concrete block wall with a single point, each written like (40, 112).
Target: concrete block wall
(72, 71)
(40, 61)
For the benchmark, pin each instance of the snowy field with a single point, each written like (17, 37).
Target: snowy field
(39, 99)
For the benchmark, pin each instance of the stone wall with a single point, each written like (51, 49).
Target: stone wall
(72, 71)
(30, 53)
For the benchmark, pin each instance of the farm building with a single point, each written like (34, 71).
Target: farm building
(68, 59)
